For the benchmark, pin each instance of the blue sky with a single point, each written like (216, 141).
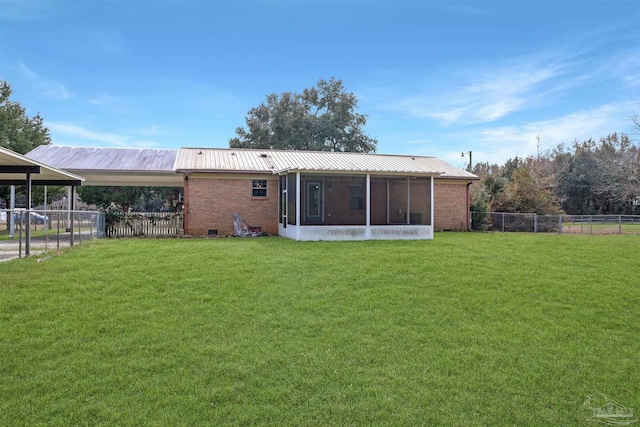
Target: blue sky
(434, 77)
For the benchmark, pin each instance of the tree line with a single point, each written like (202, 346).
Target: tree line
(583, 178)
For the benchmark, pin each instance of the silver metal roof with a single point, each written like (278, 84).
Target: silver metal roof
(273, 161)
(47, 172)
(106, 159)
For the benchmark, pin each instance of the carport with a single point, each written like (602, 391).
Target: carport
(113, 167)
(16, 169)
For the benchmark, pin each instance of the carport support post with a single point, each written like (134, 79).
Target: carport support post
(27, 236)
(72, 193)
(12, 207)
(45, 214)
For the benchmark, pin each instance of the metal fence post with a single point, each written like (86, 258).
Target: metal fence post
(535, 222)
(559, 224)
(20, 237)
(620, 223)
(503, 222)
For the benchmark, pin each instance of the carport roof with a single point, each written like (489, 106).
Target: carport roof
(114, 166)
(14, 167)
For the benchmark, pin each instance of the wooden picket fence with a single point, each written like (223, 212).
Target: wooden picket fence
(150, 224)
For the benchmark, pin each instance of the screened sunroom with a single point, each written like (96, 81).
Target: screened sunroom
(355, 206)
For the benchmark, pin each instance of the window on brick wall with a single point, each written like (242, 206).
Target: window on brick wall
(356, 196)
(259, 188)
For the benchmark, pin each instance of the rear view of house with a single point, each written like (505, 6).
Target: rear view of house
(322, 195)
(303, 195)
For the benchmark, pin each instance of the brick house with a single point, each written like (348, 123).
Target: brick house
(297, 194)
(322, 195)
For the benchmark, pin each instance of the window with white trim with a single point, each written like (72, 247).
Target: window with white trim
(259, 188)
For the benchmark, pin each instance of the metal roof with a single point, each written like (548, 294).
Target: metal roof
(106, 159)
(114, 166)
(48, 175)
(274, 161)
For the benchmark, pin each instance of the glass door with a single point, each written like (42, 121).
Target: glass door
(314, 201)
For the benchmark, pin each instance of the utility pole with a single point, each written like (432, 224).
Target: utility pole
(469, 168)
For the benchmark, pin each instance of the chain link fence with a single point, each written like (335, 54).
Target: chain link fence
(24, 233)
(561, 224)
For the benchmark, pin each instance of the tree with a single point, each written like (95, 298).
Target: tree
(318, 119)
(128, 198)
(524, 193)
(18, 131)
(599, 177)
(635, 118)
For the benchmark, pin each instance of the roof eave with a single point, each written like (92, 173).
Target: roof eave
(222, 171)
(357, 172)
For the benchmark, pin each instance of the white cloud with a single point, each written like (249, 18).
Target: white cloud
(85, 136)
(48, 88)
(108, 42)
(496, 144)
(103, 99)
(500, 143)
(497, 94)
(488, 92)
(111, 103)
(24, 11)
(74, 135)
(151, 130)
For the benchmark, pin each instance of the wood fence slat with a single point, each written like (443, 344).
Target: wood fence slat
(148, 224)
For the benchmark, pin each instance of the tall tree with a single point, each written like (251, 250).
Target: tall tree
(321, 118)
(18, 131)
(127, 198)
(599, 177)
(524, 193)
(635, 118)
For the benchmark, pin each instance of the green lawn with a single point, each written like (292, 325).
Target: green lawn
(468, 329)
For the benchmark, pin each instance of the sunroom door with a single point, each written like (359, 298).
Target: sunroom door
(314, 201)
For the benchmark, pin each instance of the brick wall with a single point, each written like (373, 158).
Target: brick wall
(212, 199)
(210, 202)
(451, 209)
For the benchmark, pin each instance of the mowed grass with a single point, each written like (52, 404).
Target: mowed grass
(468, 329)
